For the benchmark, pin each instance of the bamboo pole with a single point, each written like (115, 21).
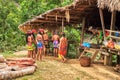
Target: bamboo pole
(113, 20)
(83, 28)
(89, 2)
(62, 24)
(102, 22)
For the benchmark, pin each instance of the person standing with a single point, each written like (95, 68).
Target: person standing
(46, 41)
(39, 40)
(55, 40)
(63, 47)
(34, 41)
(30, 43)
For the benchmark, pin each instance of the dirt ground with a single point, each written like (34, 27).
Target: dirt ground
(52, 68)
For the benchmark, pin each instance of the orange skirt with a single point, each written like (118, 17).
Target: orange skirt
(63, 50)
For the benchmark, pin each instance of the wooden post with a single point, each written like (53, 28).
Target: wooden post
(83, 26)
(89, 2)
(113, 19)
(102, 22)
(62, 24)
(112, 26)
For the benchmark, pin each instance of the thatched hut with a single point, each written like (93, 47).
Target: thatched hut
(112, 5)
(68, 15)
(113, 8)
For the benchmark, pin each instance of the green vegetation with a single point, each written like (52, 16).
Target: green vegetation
(73, 36)
(15, 12)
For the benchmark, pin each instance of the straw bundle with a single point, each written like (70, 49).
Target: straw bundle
(56, 17)
(67, 15)
(110, 4)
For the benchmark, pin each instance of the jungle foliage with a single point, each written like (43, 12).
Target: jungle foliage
(15, 12)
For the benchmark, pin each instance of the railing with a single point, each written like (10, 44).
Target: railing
(112, 34)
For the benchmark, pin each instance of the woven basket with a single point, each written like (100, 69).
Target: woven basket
(85, 61)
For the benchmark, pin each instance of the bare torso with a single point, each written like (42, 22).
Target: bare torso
(55, 38)
(39, 37)
(45, 36)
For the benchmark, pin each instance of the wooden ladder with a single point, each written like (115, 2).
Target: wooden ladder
(94, 53)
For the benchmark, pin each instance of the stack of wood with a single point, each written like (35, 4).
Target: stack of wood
(2, 62)
(16, 67)
(21, 62)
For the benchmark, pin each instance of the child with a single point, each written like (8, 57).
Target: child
(39, 41)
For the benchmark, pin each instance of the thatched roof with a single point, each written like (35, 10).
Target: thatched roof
(110, 4)
(71, 14)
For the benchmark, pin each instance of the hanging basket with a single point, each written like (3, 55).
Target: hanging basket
(85, 61)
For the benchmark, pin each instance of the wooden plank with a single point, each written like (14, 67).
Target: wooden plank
(115, 37)
(113, 20)
(62, 24)
(106, 60)
(113, 31)
(82, 54)
(90, 51)
(102, 22)
(89, 1)
(110, 60)
(94, 55)
(60, 16)
(83, 27)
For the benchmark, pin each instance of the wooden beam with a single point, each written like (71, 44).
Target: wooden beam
(53, 21)
(61, 16)
(113, 19)
(83, 27)
(62, 24)
(89, 1)
(102, 22)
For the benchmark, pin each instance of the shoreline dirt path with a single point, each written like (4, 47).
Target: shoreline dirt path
(53, 69)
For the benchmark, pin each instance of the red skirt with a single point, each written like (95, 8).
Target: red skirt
(63, 50)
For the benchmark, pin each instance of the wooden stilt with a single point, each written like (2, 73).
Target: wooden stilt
(102, 22)
(113, 20)
(89, 2)
(83, 26)
(62, 24)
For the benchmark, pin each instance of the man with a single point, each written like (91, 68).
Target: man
(55, 40)
(46, 42)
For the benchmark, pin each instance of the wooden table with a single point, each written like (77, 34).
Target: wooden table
(108, 52)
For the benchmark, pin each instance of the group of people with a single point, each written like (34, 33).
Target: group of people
(38, 42)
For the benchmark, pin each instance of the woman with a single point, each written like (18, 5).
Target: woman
(30, 43)
(39, 40)
(63, 47)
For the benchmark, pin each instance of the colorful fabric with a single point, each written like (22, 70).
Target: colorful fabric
(107, 33)
(63, 50)
(63, 46)
(55, 44)
(30, 46)
(100, 35)
(60, 56)
(39, 45)
(46, 43)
